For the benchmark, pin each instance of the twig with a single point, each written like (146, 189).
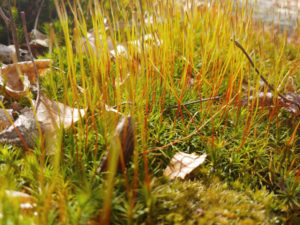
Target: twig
(31, 57)
(4, 17)
(194, 102)
(195, 131)
(38, 15)
(261, 76)
(14, 31)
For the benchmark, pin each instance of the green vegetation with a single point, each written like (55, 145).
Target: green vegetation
(251, 174)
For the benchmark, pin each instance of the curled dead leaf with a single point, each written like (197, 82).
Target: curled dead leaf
(125, 133)
(10, 78)
(39, 42)
(183, 164)
(52, 114)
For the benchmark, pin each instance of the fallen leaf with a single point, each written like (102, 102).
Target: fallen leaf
(23, 133)
(294, 105)
(7, 52)
(51, 116)
(39, 42)
(149, 41)
(9, 76)
(183, 164)
(36, 34)
(125, 133)
(264, 97)
(91, 40)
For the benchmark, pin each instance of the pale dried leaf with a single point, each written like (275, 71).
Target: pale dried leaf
(7, 52)
(262, 98)
(25, 126)
(183, 164)
(5, 55)
(149, 41)
(50, 115)
(91, 40)
(53, 114)
(294, 105)
(36, 34)
(39, 42)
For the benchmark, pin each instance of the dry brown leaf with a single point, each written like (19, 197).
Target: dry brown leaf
(39, 47)
(125, 133)
(26, 68)
(183, 164)
(264, 97)
(9, 76)
(39, 42)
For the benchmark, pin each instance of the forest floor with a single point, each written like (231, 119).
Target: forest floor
(116, 136)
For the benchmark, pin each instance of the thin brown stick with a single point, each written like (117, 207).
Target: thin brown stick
(14, 32)
(4, 17)
(38, 15)
(261, 76)
(194, 102)
(31, 57)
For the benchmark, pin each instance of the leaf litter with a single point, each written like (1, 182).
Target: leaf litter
(50, 115)
(265, 96)
(183, 164)
(11, 80)
(125, 135)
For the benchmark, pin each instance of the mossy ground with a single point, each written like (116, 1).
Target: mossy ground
(251, 173)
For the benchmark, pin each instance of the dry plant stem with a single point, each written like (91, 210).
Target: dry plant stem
(14, 31)
(194, 102)
(4, 17)
(10, 23)
(38, 15)
(31, 56)
(261, 76)
(195, 131)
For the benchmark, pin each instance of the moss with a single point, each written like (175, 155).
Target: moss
(193, 202)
